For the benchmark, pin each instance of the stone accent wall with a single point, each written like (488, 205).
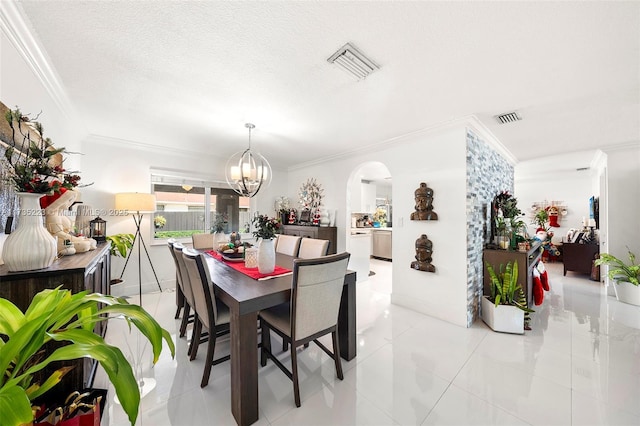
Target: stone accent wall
(488, 174)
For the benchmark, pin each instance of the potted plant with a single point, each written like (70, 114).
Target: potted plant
(120, 246)
(61, 316)
(627, 277)
(504, 309)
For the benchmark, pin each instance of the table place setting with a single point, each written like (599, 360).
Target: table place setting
(238, 263)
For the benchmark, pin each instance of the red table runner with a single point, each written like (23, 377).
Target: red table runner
(250, 272)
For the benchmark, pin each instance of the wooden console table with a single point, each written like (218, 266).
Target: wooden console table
(319, 232)
(526, 262)
(89, 271)
(579, 257)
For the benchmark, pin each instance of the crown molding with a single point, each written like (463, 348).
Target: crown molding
(15, 26)
(470, 122)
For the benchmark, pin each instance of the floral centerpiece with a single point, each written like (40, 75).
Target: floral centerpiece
(282, 207)
(32, 163)
(265, 227)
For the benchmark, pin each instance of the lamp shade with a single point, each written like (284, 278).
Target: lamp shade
(135, 202)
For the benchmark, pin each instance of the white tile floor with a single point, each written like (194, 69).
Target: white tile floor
(579, 365)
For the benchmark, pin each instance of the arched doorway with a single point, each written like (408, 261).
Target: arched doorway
(369, 200)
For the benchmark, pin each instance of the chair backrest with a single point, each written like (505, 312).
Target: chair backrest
(316, 293)
(205, 305)
(203, 241)
(184, 275)
(312, 247)
(170, 243)
(288, 244)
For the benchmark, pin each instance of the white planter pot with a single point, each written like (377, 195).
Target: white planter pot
(502, 318)
(30, 246)
(266, 256)
(627, 292)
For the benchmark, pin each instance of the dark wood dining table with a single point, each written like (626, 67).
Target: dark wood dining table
(246, 296)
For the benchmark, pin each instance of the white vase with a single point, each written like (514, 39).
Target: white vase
(30, 246)
(266, 256)
(627, 292)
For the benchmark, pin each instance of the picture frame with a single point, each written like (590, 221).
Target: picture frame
(305, 216)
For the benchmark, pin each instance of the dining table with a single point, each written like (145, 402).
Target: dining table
(246, 296)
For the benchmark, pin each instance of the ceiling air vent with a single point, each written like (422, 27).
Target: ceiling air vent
(509, 117)
(351, 60)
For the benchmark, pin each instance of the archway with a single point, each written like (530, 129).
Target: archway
(369, 189)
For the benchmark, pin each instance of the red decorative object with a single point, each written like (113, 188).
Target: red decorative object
(250, 272)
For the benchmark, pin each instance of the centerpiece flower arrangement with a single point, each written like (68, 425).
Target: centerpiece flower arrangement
(31, 159)
(265, 227)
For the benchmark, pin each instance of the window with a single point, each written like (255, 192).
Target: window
(186, 209)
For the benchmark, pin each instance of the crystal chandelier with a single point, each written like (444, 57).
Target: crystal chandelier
(248, 171)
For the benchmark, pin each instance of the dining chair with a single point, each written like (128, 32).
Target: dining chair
(202, 241)
(313, 247)
(179, 292)
(185, 284)
(211, 314)
(311, 312)
(288, 244)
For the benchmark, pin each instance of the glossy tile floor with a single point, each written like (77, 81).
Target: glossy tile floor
(579, 365)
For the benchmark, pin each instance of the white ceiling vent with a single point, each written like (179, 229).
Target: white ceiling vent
(351, 60)
(508, 117)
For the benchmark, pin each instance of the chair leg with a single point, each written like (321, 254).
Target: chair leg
(179, 302)
(195, 338)
(294, 373)
(211, 348)
(336, 354)
(265, 334)
(185, 319)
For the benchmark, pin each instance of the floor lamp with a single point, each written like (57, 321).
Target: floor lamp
(137, 203)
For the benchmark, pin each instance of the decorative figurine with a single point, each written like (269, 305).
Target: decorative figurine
(424, 249)
(292, 216)
(424, 206)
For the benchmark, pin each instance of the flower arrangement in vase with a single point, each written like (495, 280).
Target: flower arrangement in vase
(265, 229)
(34, 169)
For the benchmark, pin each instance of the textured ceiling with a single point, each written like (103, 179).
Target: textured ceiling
(189, 74)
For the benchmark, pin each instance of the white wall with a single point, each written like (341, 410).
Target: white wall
(437, 158)
(623, 200)
(572, 187)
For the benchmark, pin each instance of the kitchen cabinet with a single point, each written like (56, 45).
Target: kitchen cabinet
(381, 244)
(526, 262)
(318, 232)
(89, 271)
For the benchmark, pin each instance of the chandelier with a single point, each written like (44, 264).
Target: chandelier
(248, 171)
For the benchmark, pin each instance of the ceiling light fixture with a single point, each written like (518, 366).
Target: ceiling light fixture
(248, 171)
(351, 60)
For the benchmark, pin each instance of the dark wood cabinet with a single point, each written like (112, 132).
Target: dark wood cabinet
(526, 262)
(579, 257)
(319, 232)
(89, 271)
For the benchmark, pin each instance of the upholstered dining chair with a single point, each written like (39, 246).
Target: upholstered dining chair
(311, 313)
(288, 244)
(313, 247)
(179, 292)
(185, 285)
(211, 314)
(202, 241)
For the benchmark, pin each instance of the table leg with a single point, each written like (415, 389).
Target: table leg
(244, 367)
(347, 321)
